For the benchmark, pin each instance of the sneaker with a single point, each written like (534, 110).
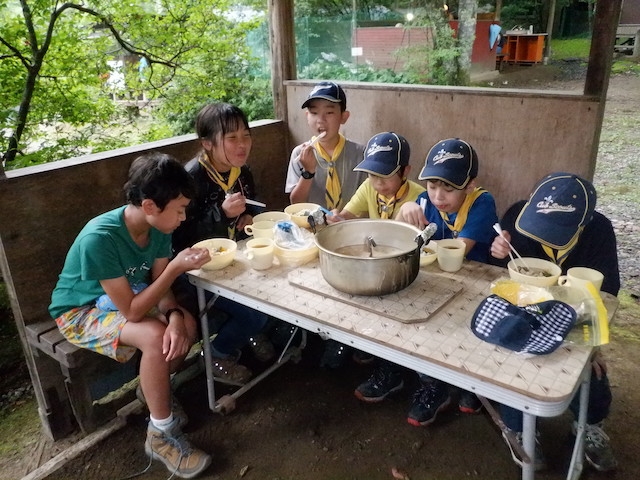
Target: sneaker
(469, 403)
(230, 371)
(262, 348)
(540, 463)
(335, 354)
(174, 450)
(362, 358)
(597, 449)
(176, 407)
(382, 383)
(281, 333)
(429, 400)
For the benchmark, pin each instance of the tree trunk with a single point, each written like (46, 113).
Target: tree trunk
(466, 36)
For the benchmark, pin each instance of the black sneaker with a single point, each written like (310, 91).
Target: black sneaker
(334, 355)
(597, 449)
(281, 332)
(428, 401)
(539, 463)
(383, 382)
(469, 403)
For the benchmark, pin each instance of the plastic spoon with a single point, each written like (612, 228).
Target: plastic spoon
(498, 229)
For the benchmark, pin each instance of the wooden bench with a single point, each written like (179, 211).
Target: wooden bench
(86, 376)
(628, 39)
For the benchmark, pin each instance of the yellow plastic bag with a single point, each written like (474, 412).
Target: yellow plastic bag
(592, 325)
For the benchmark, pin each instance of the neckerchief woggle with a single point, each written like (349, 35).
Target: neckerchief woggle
(214, 175)
(387, 205)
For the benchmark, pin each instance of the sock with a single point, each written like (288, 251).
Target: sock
(162, 424)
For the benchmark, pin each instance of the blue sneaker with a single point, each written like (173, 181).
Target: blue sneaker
(429, 400)
(384, 381)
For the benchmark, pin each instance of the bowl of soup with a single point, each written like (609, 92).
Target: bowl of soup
(534, 271)
(221, 250)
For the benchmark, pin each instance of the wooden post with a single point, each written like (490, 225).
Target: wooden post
(603, 38)
(550, 20)
(283, 53)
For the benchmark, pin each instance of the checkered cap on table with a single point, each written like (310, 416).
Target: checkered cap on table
(538, 328)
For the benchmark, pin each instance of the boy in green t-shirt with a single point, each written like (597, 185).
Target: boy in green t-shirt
(114, 297)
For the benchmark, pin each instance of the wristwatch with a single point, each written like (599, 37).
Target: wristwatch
(307, 175)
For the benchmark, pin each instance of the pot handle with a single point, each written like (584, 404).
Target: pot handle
(423, 237)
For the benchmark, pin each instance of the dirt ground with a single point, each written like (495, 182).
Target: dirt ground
(305, 423)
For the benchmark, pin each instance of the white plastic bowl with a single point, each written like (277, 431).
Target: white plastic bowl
(301, 220)
(274, 216)
(536, 264)
(428, 253)
(294, 258)
(221, 250)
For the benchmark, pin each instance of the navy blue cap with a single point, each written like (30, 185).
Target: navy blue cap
(538, 328)
(558, 209)
(330, 91)
(452, 161)
(385, 153)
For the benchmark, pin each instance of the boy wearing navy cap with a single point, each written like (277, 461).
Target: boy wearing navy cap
(460, 210)
(321, 170)
(452, 201)
(559, 223)
(386, 161)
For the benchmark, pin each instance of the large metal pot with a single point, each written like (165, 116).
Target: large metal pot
(346, 264)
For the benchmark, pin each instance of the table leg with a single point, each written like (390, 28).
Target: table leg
(577, 457)
(206, 344)
(529, 445)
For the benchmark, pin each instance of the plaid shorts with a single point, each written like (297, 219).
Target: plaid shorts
(95, 329)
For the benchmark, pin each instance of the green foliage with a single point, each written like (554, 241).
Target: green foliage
(255, 99)
(626, 66)
(435, 63)
(329, 66)
(193, 50)
(523, 13)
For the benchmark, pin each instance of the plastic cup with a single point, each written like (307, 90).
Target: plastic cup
(259, 252)
(450, 254)
(261, 229)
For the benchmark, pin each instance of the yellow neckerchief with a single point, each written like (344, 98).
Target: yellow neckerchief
(333, 189)
(463, 212)
(558, 256)
(386, 205)
(214, 175)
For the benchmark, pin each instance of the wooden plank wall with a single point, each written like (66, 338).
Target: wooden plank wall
(519, 135)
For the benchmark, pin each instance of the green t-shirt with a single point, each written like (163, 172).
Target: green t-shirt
(364, 202)
(103, 250)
